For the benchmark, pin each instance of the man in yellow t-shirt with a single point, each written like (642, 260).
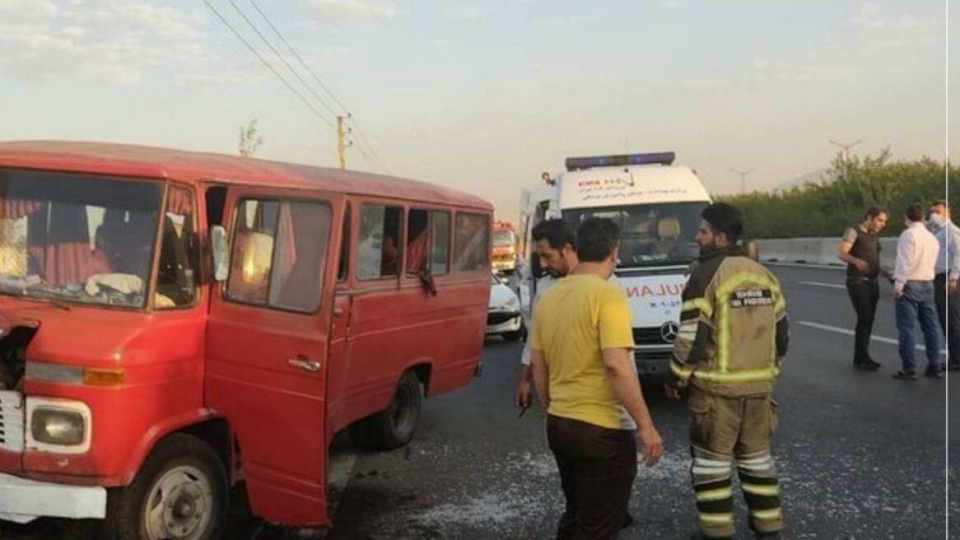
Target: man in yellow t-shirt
(583, 371)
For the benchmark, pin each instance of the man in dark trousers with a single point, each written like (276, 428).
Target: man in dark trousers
(945, 282)
(860, 249)
(732, 340)
(584, 375)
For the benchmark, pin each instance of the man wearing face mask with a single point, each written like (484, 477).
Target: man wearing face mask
(733, 337)
(945, 282)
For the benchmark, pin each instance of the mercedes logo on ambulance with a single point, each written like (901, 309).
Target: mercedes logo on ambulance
(669, 331)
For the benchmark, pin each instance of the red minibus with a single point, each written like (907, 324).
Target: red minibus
(174, 322)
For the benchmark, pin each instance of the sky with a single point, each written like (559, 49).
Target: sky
(484, 95)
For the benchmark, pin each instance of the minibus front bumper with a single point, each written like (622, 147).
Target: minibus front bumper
(23, 500)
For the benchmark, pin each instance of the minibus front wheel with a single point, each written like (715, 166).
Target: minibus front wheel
(181, 492)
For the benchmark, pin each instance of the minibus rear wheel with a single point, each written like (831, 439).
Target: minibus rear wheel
(394, 427)
(180, 492)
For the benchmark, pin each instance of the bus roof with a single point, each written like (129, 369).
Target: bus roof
(163, 163)
(621, 186)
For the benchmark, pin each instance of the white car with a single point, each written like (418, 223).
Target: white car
(504, 316)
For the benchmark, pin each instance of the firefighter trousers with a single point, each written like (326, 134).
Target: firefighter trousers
(724, 431)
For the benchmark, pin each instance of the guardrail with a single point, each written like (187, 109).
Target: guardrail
(819, 251)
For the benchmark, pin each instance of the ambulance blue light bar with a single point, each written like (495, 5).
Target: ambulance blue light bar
(581, 163)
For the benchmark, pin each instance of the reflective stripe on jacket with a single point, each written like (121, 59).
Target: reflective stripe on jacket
(733, 327)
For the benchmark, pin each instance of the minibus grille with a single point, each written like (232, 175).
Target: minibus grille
(11, 421)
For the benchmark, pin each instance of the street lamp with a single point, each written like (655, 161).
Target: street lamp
(743, 179)
(845, 153)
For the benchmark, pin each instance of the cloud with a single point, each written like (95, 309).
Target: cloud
(671, 4)
(466, 12)
(879, 29)
(210, 80)
(874, 40)
(353, 11)
(574, 20)
(106, 40)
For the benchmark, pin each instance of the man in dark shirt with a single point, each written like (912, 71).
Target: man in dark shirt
(860, 249)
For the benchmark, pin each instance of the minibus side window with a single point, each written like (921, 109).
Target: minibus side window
(440, 244)
(279, 252)
(428, 242)
(379, 244)
(471, 250)
(179, 259)
(418, 240)
(344, 249)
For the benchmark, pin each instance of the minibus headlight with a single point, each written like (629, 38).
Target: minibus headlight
(57, 426)
(511, 305)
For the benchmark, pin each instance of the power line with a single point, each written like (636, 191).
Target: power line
(326, 89)
(298, 57)
(281, 58)
(271, 68)
(363, 139)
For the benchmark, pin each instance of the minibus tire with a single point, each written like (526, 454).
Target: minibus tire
(189, 466)
(394, 427)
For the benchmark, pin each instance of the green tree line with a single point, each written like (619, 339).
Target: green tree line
(827, 208)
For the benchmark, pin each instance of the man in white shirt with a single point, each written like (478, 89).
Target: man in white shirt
(945, 283)
(917, 253)
(555, 244)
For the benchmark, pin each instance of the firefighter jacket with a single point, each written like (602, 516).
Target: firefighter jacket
(733, 327)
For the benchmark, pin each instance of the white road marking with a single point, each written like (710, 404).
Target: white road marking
(844, 331)
(821, 284)
(815, 266)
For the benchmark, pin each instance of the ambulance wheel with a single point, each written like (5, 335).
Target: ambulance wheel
(394, 427)
(180, 493)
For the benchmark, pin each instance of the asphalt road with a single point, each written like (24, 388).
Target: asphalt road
(861, 455)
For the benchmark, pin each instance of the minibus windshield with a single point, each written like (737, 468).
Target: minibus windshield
(650, 234)
(76, 237)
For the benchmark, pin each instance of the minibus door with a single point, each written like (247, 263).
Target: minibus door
(267, 346)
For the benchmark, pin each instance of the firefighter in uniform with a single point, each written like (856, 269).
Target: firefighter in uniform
(733, 337)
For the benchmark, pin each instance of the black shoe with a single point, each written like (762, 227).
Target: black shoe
(905, 375)
(768, 536)
(933, 373)
(869, 365)
(701, 536)
(627, 521)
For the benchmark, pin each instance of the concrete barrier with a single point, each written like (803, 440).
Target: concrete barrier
(819, 251)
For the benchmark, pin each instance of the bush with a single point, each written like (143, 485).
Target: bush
(839, 200)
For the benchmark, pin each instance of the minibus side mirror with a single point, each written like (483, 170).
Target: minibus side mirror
(752, 249)
(218, 245)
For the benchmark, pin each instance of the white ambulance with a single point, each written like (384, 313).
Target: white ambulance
(657, 206)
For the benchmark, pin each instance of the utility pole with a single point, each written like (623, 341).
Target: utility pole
(341, 145)
(845, 153)
(743, 179)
